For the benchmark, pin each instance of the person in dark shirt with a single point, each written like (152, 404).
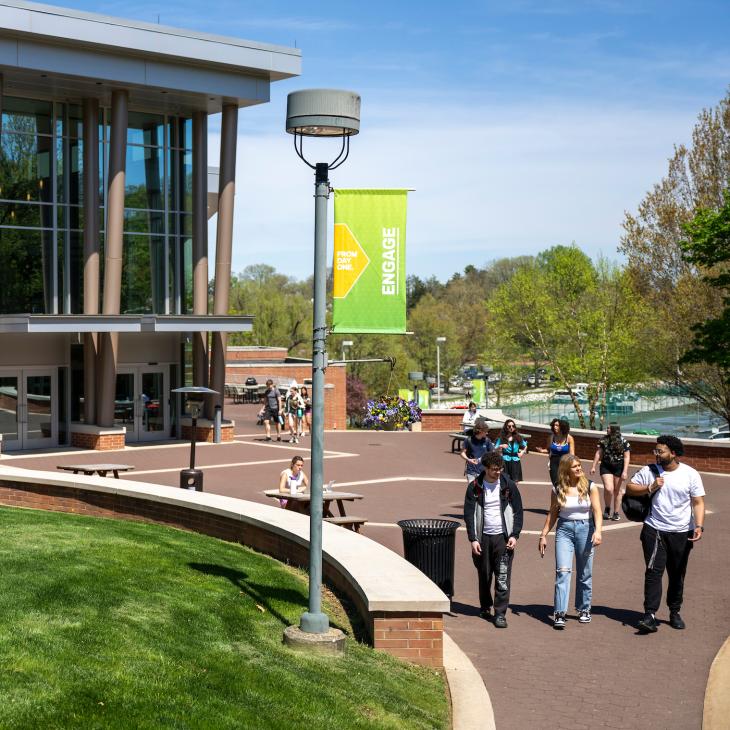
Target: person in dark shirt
(474, 448)
(272, 410)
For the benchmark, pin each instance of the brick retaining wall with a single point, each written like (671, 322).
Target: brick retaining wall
(414, 636)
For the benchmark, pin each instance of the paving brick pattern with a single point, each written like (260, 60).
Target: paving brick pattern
(598, 675)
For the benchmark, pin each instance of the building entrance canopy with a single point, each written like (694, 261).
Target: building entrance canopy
(60, 323)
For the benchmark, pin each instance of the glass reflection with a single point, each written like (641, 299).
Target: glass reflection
(9, 407)
(152, 402)
(25, 167)
(26, 271)
(38, 400)
(145, 178)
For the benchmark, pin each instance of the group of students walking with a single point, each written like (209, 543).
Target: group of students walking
(494, 517)
(293, 410)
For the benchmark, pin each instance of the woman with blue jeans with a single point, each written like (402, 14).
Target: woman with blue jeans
(576, 507)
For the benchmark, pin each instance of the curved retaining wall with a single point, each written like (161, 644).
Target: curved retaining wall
(402, 610)
(702, 454)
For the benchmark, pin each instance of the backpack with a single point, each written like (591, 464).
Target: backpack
(637, 507)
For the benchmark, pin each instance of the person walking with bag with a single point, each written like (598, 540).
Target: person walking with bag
(675, 523)
(576, 507)
(493, 517)
(614, 453)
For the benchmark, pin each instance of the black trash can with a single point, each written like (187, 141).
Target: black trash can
(429, 544)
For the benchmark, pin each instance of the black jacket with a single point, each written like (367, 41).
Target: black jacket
(510, 501)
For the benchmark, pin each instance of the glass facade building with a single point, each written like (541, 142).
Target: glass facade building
(42, 214)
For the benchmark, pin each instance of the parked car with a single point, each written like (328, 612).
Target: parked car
(720, 435)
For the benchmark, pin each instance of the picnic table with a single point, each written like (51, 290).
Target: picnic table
(101, 469)
(300, 502)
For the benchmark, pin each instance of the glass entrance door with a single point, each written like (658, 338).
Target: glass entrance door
(28, 418)
(141, 402)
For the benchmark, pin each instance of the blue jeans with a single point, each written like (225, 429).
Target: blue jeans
(573, 537)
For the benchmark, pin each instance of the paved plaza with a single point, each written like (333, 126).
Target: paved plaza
(598, 675)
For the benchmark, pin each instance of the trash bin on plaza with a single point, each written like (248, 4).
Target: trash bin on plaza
(429, 544)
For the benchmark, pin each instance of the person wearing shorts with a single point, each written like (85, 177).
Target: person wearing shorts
(613, 452)
(272, 409)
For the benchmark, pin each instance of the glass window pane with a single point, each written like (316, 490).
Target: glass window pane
(25, 167)
(181, 180)
(27, 115)
(145, 178)
(144, 221)
(143, 274)
(145, 129)
(69, 170)
(33, 215)
(26, 271)
(9, 407)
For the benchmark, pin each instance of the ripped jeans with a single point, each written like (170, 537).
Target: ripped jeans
(494, 565)
(573, 537)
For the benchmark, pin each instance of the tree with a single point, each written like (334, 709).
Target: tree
(580, 318)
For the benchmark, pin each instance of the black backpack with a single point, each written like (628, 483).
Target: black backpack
(637, 507)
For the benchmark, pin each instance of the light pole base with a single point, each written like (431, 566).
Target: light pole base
(331, 641)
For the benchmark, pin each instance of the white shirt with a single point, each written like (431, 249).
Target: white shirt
(576, 508)
(671, 506)
(469, 419)
(492, 509)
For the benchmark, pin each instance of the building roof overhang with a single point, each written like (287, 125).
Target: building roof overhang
(77, 54)
(73, 323)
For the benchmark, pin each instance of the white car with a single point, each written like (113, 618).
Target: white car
(720, 435)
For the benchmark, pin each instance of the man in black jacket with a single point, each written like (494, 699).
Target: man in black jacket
(493, 516)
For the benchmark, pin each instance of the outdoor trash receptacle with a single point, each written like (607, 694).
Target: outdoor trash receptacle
(429, 544)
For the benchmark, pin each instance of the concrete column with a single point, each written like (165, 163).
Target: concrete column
(91, 251)
(224, 246)
(200, 243)
(113, 249)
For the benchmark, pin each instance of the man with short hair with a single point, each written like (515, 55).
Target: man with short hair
(675, 523)
(493, 517)
(272, 409)
(475, 446)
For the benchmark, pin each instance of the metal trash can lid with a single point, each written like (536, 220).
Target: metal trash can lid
(428, 527)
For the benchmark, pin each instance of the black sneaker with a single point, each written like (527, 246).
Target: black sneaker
(675, 620)
(486, 614)
(559, 621)
(648, 624)
(500, 621)
(606, 514)
(616, 517)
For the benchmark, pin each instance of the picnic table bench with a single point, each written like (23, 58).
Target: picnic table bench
(301, 501)
(101, 469)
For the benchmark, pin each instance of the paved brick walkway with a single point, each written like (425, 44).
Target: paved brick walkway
(587, 676)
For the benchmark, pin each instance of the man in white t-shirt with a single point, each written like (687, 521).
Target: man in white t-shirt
(675, 523)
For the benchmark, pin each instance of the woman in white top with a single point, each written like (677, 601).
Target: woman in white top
(467, 424)
(293, 481)
(576, 507)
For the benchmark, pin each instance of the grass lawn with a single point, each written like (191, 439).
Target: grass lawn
(114, 624)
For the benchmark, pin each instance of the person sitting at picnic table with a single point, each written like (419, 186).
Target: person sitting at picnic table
(467, 424)
(474, 448)
(293, 480)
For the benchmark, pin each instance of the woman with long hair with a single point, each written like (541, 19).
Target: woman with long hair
(513, 447)
(293, 480)
(614, 453)
(307, 410)
(470, 416)
(576, 507)
(559, 443)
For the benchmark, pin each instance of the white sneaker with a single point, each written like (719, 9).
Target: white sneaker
(559, 622)
(584, 616)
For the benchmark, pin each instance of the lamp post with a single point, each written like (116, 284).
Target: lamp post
(320, 113)
(345, 344)
(439, 340)
(192, 478)
(487, 370)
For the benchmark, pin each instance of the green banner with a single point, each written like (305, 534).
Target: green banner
(477, 392)
(424, 398)
(369, 267)
(405, 393)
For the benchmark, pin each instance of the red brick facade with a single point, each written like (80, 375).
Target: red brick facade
(206, 433)
(414, 636)
(256, 354)
(98, 441)
(710, 456)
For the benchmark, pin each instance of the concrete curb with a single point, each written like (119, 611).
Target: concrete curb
(470, 702)
(717, 698)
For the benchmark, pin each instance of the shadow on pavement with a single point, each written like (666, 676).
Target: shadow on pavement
(623, 616)
(539, 611)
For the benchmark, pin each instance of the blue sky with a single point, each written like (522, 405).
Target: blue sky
(519, 124)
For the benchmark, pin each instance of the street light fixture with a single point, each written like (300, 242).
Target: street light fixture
(320, 113)
(439, 340)
(346, 344)
(487, 371)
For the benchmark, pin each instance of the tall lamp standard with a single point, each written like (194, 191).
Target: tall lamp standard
(320, 113)
(439, 340)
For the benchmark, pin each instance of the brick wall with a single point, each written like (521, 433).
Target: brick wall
(206, 433)
(414, 636)
(98, 442)
(335, 394)
(257, 354)
(702, 455)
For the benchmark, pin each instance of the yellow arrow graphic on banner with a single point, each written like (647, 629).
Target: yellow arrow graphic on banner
(350, 261)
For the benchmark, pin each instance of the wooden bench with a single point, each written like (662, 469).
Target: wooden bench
(351, 523)
(456, 440)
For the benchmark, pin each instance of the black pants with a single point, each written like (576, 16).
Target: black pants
(664, 550)
(494, 562)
